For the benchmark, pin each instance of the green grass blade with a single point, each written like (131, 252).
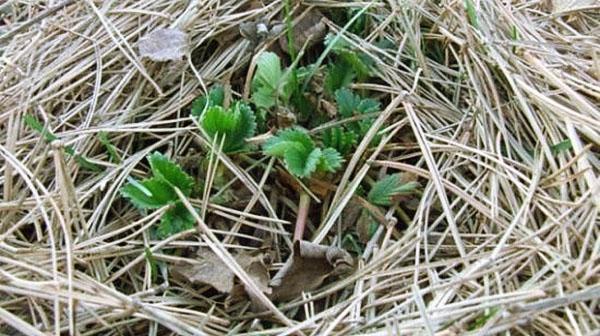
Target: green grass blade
(472, 13)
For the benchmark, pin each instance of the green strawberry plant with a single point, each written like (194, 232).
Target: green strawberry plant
(215, 97)
(236, 124)
(159, 191)
(350, 105)
(302, 158)
(340, 139)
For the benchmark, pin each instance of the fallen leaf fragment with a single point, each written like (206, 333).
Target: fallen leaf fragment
(257, 270)
(310, 30)
(210, 270)
(306, 269)
(164, 44)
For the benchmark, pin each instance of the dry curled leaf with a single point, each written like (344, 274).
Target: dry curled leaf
(306, 269)
(165, 44)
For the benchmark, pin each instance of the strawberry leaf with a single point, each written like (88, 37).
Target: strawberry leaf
(215, 97)
(151, 193)
(170, 172)
(301, 162)
(268, 73)
(175, 220)
(271, 83)
(347, 102)
(277, 145)
(350, 104)
(299, 153)
(236, 124)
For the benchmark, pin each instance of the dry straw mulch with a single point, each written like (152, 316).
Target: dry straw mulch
(504, 236)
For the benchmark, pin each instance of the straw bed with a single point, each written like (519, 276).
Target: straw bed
(503, 236)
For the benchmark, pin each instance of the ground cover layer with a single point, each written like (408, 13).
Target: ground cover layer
(285, 167)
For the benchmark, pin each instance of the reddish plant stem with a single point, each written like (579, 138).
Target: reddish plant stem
(303, 207)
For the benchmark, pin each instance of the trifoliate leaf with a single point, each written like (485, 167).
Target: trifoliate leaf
(215, 97)
(170, 172)
(245, 125)
(299, 153)
(217, 120)
(330, 160)
(236, 124)
(385, 189)
(175, 220)
(151, 193)
(292, 137)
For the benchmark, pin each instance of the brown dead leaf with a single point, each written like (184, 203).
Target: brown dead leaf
(310, 29)
(255, 266)
(306, 269)
(210, 270)
(164, 44)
